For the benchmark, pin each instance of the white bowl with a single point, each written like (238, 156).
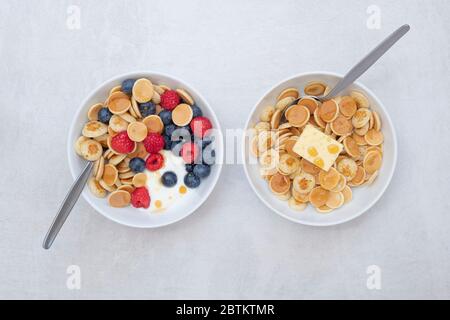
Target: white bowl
(363, 197)
(137, 217)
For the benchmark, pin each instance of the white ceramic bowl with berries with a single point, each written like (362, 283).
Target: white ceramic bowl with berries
(364, 196)
(168, 203)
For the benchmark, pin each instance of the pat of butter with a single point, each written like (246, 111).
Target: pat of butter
(317, 147)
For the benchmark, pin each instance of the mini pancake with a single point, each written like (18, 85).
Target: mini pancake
(295, 173)
(117, 158)
(347, 106)
(156, 98)
(269, 159)
(315, 89)
(310, 103)
(375, 148)
(96, 189)
(110, 174)
(376, 121)
(99, 166)
(308, 167)
(77, 145)
(300, 197)
(318, 120)
(93, 111)
(360, 99)
(118, 124)
(348, 194)
(361, 117)
(285, 126)
(289, 145)
(268, 172)
(283, 103)
(185, 96)
(372, 161)
(140, 151)
(281, 140)
(128, 117)
(335, 200)
(164, 87)
(111, 132)
(360, 177)
(289, 92)
(329, 180)
(158, 89)
(135, 107)
(318, 197)
(119, 199)
(374, 137)
(102, 139)
(295, 131)
(118, 102)
(298, 115)
(296, 205)
(363, 130)
(267, 113)
(127, 188)
(154, 123)
(284, 197)
(371, 178)
(115, 89)
(143, 90)
(182, 114)
(324, 209)
(137, 131)
(127, 175)
(94, 129)
(262, 126)
(140, 180)
(106, 187)
(351, 147)
(158, 109)
(360, 140)
(91, 150)
(132, 113)
(348, 168)
(341, 126)
(279, 184)
(266, 139)
(371, 121)
(341, 184)
(327, 129)
(329, 111)
(128, 182)
(303, 183)
(118, 183)
(254, 146)
(276, 117)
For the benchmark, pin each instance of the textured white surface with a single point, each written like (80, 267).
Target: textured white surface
(233, 247)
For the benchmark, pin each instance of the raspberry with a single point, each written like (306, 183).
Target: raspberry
(154, 162)
(140, 198)
(189, 152)
(170, 99)
(200, 126)
(121, 143)
(154, 142)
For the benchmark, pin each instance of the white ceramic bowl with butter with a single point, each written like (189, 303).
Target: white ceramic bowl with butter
(141, 218)
(364, 197)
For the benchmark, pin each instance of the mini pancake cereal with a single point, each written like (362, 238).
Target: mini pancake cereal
(313, 152)
(152, 146)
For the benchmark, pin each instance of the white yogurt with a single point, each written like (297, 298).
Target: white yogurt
(162, 197)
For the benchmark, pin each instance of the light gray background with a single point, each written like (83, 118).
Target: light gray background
(233, 247)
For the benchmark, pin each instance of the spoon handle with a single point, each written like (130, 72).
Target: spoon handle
(67, 205)
(367, 62)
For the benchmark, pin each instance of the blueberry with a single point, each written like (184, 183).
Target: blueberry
(166, 116)
(196, 111)
(137, 164)
(189, 167)
(147, 108)
(127, 86)
(169, 129)
(169, 179)
(202, 170)
(191, 180)
(181, 134)
(176, 148)
(209, 156)
(206, 141)
(104, 115)
(167, 142)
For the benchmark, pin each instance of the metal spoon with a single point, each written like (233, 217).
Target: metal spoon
(363, 65)
(67, 205)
